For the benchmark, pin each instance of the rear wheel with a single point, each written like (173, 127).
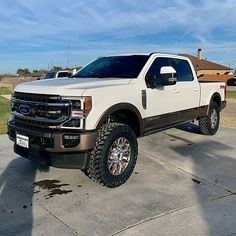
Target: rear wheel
(114, 156)
(209, 124)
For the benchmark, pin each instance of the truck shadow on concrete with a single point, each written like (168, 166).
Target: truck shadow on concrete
(189, 127)
(212, 161)
(16, 206)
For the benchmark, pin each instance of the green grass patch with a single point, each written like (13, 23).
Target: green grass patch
(231, 94)
(5, 91)
(4, 114)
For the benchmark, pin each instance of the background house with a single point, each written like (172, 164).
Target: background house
(206, 67)
(208, 70)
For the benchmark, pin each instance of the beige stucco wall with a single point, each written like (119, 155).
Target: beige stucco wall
(211, 72)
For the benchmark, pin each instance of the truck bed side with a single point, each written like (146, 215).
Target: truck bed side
(208, 89)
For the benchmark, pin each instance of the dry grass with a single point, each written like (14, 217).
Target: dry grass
(4, 114)
(231, 94)
(228, 115)
(5, 91)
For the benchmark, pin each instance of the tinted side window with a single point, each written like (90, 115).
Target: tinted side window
(50, 75)
(183, 70)
(156, 67)
(62, 74)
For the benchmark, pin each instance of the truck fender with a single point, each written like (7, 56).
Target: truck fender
(215, 97)
(117, 107)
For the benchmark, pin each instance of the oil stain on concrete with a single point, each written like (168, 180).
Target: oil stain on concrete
(52, 186)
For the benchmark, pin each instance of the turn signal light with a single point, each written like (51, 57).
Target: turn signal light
(88, 104)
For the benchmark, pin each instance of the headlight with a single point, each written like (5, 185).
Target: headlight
(81, 108)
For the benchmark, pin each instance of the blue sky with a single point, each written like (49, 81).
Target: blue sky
(35, 34)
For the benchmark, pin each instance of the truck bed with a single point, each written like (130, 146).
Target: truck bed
(208, 88)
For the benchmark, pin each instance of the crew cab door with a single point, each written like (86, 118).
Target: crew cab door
(171, 104)
(188, 88)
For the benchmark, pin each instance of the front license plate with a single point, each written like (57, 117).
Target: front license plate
(22, 140)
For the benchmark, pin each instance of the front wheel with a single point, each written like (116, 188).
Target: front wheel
(209, 124)
(114, 156)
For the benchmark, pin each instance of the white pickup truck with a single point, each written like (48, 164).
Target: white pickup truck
(92, 120)
(58, 74)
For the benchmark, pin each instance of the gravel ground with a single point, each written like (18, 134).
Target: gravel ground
(228, 115)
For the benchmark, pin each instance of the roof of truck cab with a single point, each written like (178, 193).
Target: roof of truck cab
(147, 54)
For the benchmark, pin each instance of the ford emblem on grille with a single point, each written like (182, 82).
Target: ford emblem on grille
(24, 109)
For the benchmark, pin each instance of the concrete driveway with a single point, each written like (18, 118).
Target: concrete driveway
(184, 184)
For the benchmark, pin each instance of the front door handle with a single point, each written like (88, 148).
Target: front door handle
(195, 89)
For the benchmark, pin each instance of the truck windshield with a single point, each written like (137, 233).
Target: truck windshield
(114, 66)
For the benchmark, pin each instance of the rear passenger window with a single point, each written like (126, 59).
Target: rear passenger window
(62, 74)
(183, 70)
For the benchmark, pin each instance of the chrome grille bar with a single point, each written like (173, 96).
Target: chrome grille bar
(48, 111)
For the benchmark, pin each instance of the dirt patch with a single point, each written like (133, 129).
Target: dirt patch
(228, 115)
(5, 84)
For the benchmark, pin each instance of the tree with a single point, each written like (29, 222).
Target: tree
(23, 72)
(57, 68)
(35, 71)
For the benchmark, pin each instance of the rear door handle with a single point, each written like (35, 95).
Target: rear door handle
(196, 89)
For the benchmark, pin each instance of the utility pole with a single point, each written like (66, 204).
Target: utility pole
(68, 52)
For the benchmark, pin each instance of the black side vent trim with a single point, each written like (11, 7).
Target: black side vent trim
(144, 99)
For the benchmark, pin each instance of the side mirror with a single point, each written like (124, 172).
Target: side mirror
(150, 80)
(168, 75)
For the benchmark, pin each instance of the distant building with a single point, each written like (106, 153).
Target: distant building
(205, 67)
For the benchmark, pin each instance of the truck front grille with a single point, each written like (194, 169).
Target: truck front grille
(37, 97)
(45, 111)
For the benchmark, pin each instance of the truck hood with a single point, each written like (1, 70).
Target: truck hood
(68, 86)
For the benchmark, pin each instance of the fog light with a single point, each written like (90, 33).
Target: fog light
(70, 140)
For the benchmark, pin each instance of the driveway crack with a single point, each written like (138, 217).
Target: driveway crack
(155, 158)
(168, 212)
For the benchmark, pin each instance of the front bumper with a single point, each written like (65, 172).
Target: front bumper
(46, 146)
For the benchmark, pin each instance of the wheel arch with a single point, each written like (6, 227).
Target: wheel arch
(216, 97)
(128, 111)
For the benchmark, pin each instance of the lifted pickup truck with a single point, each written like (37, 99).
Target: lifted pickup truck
(92, 120)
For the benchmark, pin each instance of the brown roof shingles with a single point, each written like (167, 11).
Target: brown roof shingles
(205, 64)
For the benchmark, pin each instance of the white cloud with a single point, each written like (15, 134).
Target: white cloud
(42, 27)
(33, 18)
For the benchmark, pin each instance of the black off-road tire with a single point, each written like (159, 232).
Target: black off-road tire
(205, 122)
(98, 164)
